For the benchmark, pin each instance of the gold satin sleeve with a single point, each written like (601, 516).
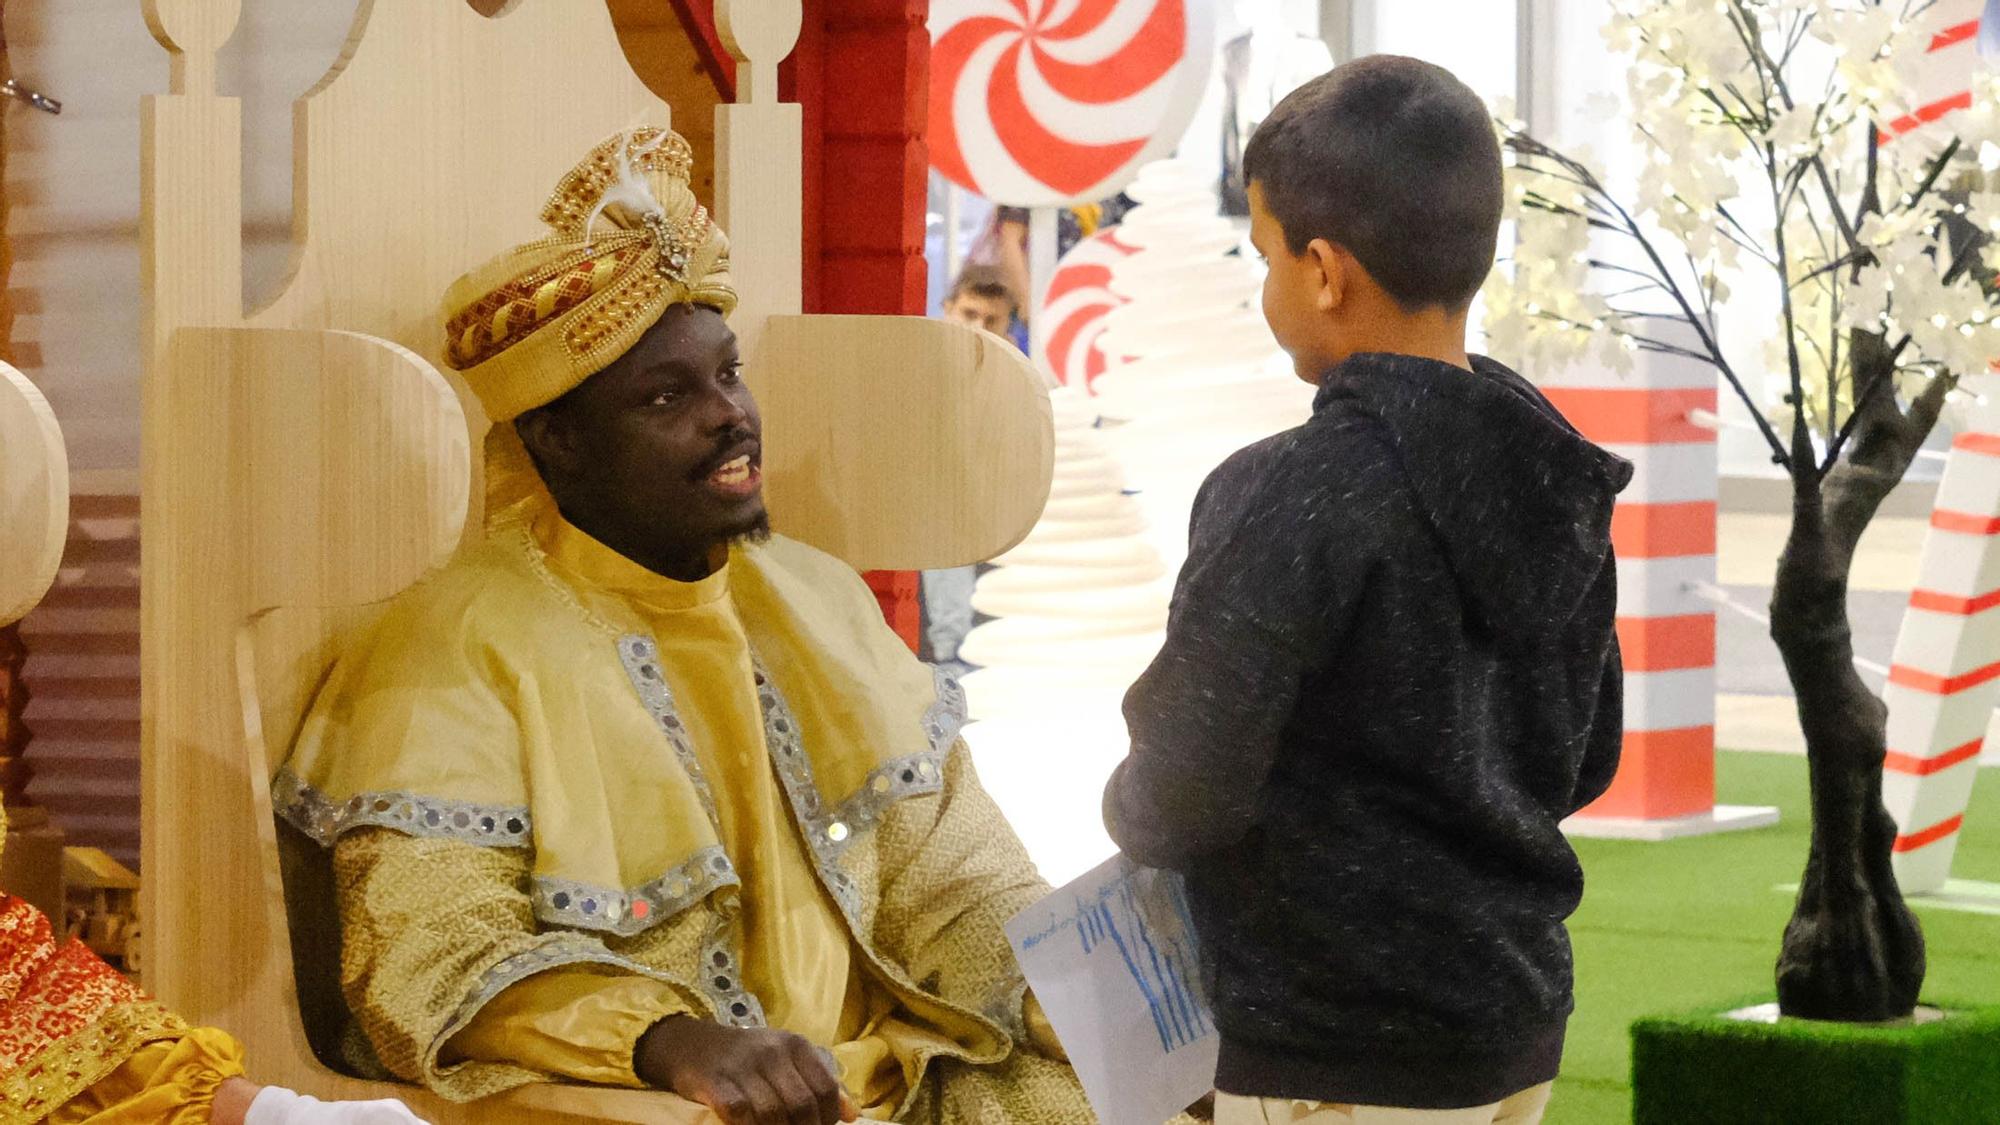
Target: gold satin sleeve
(579, 1022)
(167, 1082)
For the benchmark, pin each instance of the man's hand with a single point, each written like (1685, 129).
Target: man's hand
(748, 1076)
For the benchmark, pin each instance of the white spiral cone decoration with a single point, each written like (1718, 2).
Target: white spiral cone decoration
(1204, 378)
(1080, 608)
(1043, 103)
(1081, 604)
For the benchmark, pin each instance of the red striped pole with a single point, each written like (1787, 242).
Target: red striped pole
(1664, 531)
(1945, 678)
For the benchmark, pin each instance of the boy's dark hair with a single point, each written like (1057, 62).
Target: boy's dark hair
(984, 281)
(1394, 159)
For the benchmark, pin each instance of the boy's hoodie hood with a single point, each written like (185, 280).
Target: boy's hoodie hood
(1520, 502)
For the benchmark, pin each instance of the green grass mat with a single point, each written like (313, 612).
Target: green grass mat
(1702, 1069)
(1670, 927)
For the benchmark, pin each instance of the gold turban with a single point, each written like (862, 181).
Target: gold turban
(626, 242)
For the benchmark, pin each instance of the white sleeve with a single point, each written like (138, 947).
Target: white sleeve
(276, 1105)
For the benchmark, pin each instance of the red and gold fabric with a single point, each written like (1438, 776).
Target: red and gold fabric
(70, 1026)
(79, 1043)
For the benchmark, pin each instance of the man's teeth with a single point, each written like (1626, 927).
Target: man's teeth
(734, 472)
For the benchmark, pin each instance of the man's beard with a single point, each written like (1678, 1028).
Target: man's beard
(754, 531)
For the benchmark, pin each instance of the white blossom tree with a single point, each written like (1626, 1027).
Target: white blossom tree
(1765, 158)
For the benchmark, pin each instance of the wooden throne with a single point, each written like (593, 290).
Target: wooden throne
(306, 460)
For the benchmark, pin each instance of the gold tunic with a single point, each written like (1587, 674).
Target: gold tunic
(568, 797)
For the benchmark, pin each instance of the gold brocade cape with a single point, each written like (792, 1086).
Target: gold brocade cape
(497, 705)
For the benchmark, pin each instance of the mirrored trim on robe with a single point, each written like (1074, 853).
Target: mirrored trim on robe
(640, 655)
(830, 832)
(722, 978)
(552, 952)
(413, 814)
(722, 975)
(945, 718)
(588, 906)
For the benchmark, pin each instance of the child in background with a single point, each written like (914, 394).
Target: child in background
(981, 298)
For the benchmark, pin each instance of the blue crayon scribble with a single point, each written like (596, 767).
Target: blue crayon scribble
(1144, 916)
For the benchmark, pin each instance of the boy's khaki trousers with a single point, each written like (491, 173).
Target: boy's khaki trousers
(1524, 1108)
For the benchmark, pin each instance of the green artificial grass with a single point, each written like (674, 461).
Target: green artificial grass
(1702, 1069)
(1692, 925)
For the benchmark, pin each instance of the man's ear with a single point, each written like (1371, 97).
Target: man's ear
(1332, 269)
(550, 442)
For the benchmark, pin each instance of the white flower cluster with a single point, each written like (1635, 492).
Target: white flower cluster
(1754, 117)
(1547, 315)
(1920, 287)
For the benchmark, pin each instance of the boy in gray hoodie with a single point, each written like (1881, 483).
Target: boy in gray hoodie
(1391, 668)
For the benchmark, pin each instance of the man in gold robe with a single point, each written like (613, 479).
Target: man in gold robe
(634, 793)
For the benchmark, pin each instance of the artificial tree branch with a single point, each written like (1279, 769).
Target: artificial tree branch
(1715, 356)
(1705, 286)
(1722, 209)
(1961, 262)
(1871, 199)
(1801, 460)
(1850, 233)
(1928, 406)
(1645, 343)
(1796, 36)
(1769, 74)
(1938, 165)
(1858, 257)
(1613, 267)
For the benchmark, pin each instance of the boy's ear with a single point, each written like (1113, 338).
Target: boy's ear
(1332, 268)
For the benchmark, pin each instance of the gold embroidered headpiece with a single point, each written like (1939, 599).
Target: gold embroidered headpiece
(627, 242)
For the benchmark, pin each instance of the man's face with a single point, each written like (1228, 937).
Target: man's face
(979, 311)
(1294, 292)
(662, 449)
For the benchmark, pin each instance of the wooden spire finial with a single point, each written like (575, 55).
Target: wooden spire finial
(760, 33)
(192, 31)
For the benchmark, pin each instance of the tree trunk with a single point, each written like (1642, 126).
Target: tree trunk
(1852, 951)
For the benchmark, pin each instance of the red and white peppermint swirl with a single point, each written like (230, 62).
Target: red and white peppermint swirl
(1045, 103)
(1075, 303)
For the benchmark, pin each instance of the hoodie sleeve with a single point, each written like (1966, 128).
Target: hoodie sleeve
(1281, 549)
(1607, 726)
(1607, 736)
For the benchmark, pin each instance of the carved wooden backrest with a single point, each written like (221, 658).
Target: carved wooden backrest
(306, 460)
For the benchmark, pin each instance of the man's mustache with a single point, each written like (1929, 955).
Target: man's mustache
(736, 443)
